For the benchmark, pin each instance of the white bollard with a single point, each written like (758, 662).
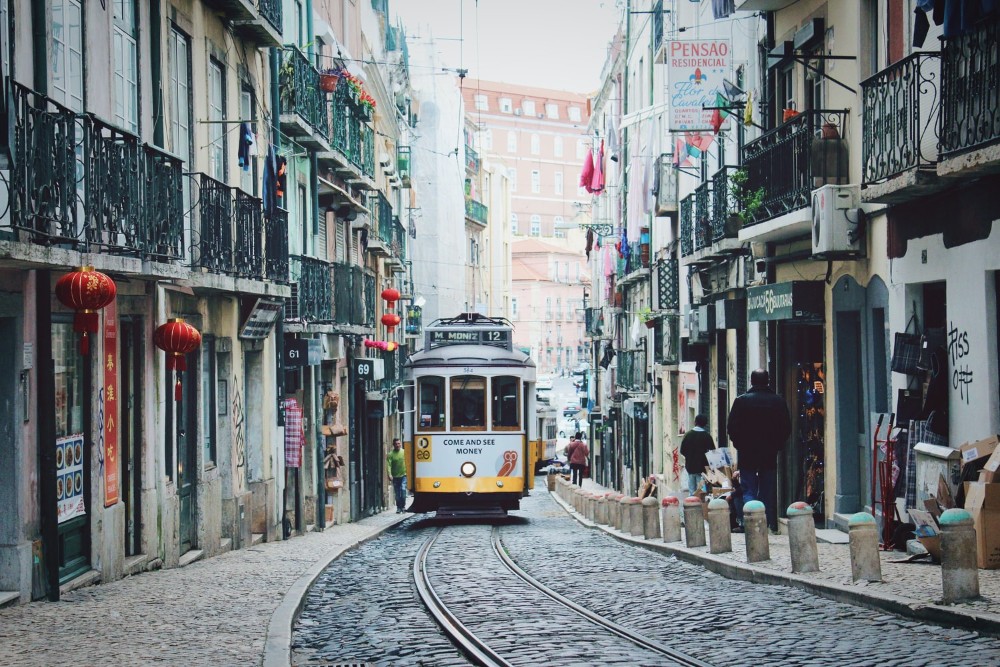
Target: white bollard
(694, 522)
(634, 507)
(802, 538)
(624, 516)
(670, 516)
(719, 533)
(959, 573)
(863, 535)
(650, 519)
(755, 527)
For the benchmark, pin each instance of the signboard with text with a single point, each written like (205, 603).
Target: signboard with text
(111, 464)
(797, 300)
(498, 337)
(695, 70)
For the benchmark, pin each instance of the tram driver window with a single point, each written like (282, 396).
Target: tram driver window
(468, 402)
(505, 403)
(431, 404)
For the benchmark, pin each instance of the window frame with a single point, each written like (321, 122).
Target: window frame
(481, 102)
(574, 114)
(453, 401)
(506, 105)
(552, 110)
(442, 384)
(494, 426)
(536, 226)
(218, 155)
(536, 144)
(528, 107)
(125, 36)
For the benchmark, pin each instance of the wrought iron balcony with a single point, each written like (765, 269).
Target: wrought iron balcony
(352, 139)
(728, 198)
(792, 160)
(475, 211)
(594, 322)
(471, 160)
(687, 226)
(632, 370)
(703, 216)
(899, 126)
(354, 295)
(260, 20)
(381, 236)
(270, 11)
(276, 245)
(81, 183)
(249, 236)
(214, 241)
(304, 110)
(667, 284)
(312, 294)
(398, 243)
(970, 90)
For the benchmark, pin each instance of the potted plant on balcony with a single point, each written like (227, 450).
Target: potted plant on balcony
(328, 80)
(366, 106)
(353, 89)
(648, 317)
(746, 202)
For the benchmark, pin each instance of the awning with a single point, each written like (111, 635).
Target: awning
(799, 300)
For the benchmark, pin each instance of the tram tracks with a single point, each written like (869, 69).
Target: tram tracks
(479, 649)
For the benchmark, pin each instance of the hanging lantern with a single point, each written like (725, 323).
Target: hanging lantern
(177, 338)
(385, 346)
(390, 295)
(391, 321)
(86, 291)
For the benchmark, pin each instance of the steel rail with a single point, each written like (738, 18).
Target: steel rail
(475, 648)
(611, 626)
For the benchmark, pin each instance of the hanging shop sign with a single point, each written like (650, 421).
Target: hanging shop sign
(261, 319)
(799, 300)
(696, 69)
(110, 434)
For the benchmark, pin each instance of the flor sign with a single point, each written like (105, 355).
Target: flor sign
(695, 69)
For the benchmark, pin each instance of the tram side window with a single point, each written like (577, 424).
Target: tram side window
(431, 404)
(468, 402)
(505, 403)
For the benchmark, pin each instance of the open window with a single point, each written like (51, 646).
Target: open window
(431, 404)
(468, 403)
(506, 395)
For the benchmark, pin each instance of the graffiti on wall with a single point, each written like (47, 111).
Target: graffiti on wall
(239, 436)
(961, 375)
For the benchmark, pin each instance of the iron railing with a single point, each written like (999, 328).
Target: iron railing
(471, 159)
(657, 15)
(475, 211)
(350, 134)
(270, 11)
(354, 295)
(687, 226)
(632, 370)
(703, 216)
(667, 284)
(594, 322)
(899, 122)
(725, 203)
(367, 282)
(112, 198)
(970, 90)
(381, 217)
(298, 85)
(214, 242)
(162, 215)
(791, 161)
(249, 236)
(313, 289)
(398, 243)
(276, 245)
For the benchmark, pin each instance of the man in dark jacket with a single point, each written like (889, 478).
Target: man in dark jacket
(759, 426)
(695, 444)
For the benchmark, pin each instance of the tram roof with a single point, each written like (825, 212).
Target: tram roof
(469, 354)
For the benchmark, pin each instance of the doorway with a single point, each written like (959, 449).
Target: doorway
(183, 414)
(130, 393)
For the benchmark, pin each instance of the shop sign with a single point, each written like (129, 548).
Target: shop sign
(696, 69)
(261, 319)
(69, 477)
(296, 352)
(797, 300)
(110, 407)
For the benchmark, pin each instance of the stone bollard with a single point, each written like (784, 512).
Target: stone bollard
(578, 499)
(755, 527)
(720, 535)
(601, 509)
(615, 508)
(592, 506)
(802, 538)
(670, 515)
(959, 573)
(863, 534)
(634, 506)
(624, 518)
(650, 519)
(694, 522)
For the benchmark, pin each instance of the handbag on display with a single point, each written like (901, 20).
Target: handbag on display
(909, 403)
(906, 349)
(932, 340)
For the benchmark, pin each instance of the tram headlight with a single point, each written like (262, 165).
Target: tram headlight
(500, 483)
(468, 469)
(437, 485)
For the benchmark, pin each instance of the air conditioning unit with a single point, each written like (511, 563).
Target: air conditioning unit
(837, 221)
(517, 112)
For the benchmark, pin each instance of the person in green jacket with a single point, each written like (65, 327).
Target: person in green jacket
(396, 467)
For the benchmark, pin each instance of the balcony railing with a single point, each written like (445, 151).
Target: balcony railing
(79, 182)
(349, 133)
(792, 160)
(899, 127)
(214, 243)
(970, 90)
(270, 10)
(703, 216)
(594, 322)
(632, 370)
(300, 94)
(657, 15)
(313, 294)
(687, 226)
(471, 159)
(232, 236)
(381, 216)
(398, 243)
(667, 284)
(276, 245)
(726, 195)
(476, 211)
(354, 295)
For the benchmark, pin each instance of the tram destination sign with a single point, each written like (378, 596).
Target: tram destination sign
(495, 337)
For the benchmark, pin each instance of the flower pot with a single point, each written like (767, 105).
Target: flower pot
(328, 82)
(829, 131)
(789, 114)
(650, 323)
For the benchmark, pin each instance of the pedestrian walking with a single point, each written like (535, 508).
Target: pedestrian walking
(396, 467)
(696, 443)
(759, 426)
(578, 454)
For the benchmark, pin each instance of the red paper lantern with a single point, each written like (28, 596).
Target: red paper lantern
(177, 338)
(385, 346)
(86, 291)
(391, 321)
(391, 295)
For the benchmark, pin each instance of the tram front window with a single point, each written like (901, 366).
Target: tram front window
(468, 402)
(431, 404)
(505, 403)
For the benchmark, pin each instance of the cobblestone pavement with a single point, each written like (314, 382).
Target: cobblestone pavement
(214, 612)
(913, 585)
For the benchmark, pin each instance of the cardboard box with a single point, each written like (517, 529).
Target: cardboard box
(983, 502)
(991, 469)
(973, 451)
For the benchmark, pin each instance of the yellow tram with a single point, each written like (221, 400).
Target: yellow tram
(470, 438)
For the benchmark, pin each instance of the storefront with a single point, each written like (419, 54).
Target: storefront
(793, 315)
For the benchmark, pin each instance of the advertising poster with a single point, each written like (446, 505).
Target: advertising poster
(695, 70)
(111, 464)
(69, 477)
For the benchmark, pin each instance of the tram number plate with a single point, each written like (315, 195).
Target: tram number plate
(423, 452)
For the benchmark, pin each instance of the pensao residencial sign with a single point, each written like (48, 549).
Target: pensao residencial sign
(695, 70)
(797, 300)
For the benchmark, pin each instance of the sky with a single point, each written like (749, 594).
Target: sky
(557, 44)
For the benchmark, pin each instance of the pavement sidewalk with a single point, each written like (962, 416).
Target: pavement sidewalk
(908, 589)
(226, 611)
